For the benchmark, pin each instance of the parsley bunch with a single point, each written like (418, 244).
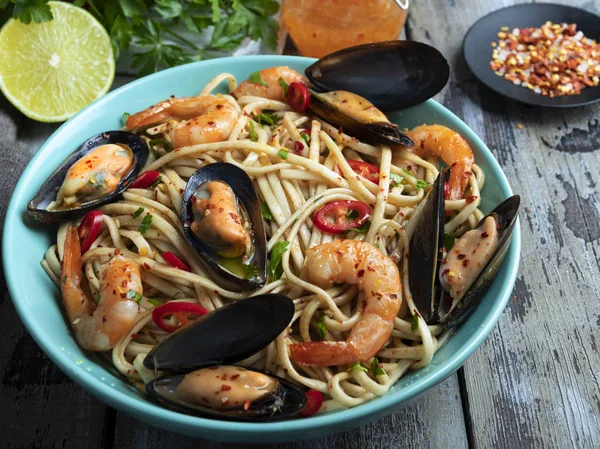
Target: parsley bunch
(149, 23)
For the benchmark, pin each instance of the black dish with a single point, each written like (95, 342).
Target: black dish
(477, 48)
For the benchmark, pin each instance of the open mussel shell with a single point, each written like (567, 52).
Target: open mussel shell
(245, 193)
(425, 251)
(38, 206)
(225, 336)
(505, 215)
(392, 75)
(284, 402)
(381, 132)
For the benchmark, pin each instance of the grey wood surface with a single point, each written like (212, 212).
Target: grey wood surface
(532, 384)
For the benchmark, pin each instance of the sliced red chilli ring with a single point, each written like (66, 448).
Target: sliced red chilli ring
(145, 180)
(174, 261)
(314, 401)
(89, 229)
(339, 216)
(182, 312)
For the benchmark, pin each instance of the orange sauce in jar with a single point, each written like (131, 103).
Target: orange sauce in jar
(320, 27)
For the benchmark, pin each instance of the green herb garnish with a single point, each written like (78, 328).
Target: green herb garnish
(160, 142)
(266, 212)
(134, 296)
(305, 137)
(421, 184)
(275, 267)
(395, 179)
(364, 228)
(282, 154)
(357, 366)
(321, 326)
(252, 131)
(138, 212)
(126, 115)
(449, 241)
(155, 302)
(351, 215)
(283, 84)
(266, 118)
(407, 172)
(414, 324)
(97, 299)
(376, 368)
(257, 79)
(155, 183)
(145, 225)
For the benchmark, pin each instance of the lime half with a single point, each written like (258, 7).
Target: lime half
(51, 70)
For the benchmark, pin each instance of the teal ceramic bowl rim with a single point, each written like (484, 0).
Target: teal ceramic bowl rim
(277, 430)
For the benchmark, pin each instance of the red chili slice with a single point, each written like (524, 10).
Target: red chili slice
(181, 310)
(174, 261)
(333, 217)
(298, 97)
(89, 229)
(145, 180)
(366, 170)
(314, 401)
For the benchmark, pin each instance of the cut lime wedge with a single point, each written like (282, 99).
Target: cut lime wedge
(51, 70)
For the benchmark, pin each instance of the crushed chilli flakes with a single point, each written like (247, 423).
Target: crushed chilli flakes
(553, 60)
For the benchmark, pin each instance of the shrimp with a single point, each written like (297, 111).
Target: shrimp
(99, 328)
(451, 147)
(217, 219)
(274, 90)
(360, 263)
(192, 120)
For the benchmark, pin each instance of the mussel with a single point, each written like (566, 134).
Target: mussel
(199, 358)
(95, 174)
(392, 75)
(222, 222)
(448, 284)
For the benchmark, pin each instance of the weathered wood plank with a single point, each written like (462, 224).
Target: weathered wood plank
(534, 383)
(434, 421)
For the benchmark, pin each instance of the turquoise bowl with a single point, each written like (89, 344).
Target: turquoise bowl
(37, 299)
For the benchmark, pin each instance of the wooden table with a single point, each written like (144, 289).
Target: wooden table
(533, 384)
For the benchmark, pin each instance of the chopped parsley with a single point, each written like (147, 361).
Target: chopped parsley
(282, 154)
(126, 115)
(421, 184)
(449, 241)
(155, 302)
(305, 137)
(155, 183)
(351, 215)
(321, 326)
(266, 212)
(266, 118)
(275, 267)
(160, 142)
(134, 296)
(257, 79)
(145, 225)
(97, 299)
(252, 131)
(376, 368)
(362, 229)
(414, 324)
(395, 179)
(138, 212)
(283, 84)
(357, 366)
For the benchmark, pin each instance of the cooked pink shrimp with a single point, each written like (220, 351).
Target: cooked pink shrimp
(270, 76)
(451, 147)
(99, 328)
(360, 263)
(193, 120)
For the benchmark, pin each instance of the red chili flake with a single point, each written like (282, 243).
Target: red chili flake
(361, 273)
(235, 376)
(219, 106)
(465, 262)
(117, 252)
(124, 284)
(225, 387)
(134, 336)
(233, 215)
(146, 266)
(298, 147)
(114, 292)
(471, 198)
(340, 130)
(221, 209)
(211, 123)
(370, 268)
(484, 235)
(446, 271)
(461, 256)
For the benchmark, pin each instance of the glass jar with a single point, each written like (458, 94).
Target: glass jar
(320, 27)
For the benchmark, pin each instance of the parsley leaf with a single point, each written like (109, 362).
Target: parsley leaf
(97, 299)
(145, 225)
(421, 184)
(28, 10)
(357, 366)
(138, 212)
(305, 137)
(414, 324)
(363, 229)
(266, 212)
(257, 79)
(282, 154)
(351, 215)
(252, 131)
(266, 118)
(376, 368)
(155, 302)
(134, 296)
(395, 179)
(156, 182)
(160, 142)
(407, 172)
(321, 326)
(449, 241)
(283, 84)
(275, 268)
(126, 115)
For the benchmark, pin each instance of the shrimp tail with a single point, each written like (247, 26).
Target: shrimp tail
(70, 283)
(324, 353)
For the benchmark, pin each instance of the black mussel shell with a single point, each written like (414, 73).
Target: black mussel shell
(506, 216)
(425, 251)
(225, 336)
(285, 402)
(47, 193)
(392, 75)
(382, 132)
(243, 188)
